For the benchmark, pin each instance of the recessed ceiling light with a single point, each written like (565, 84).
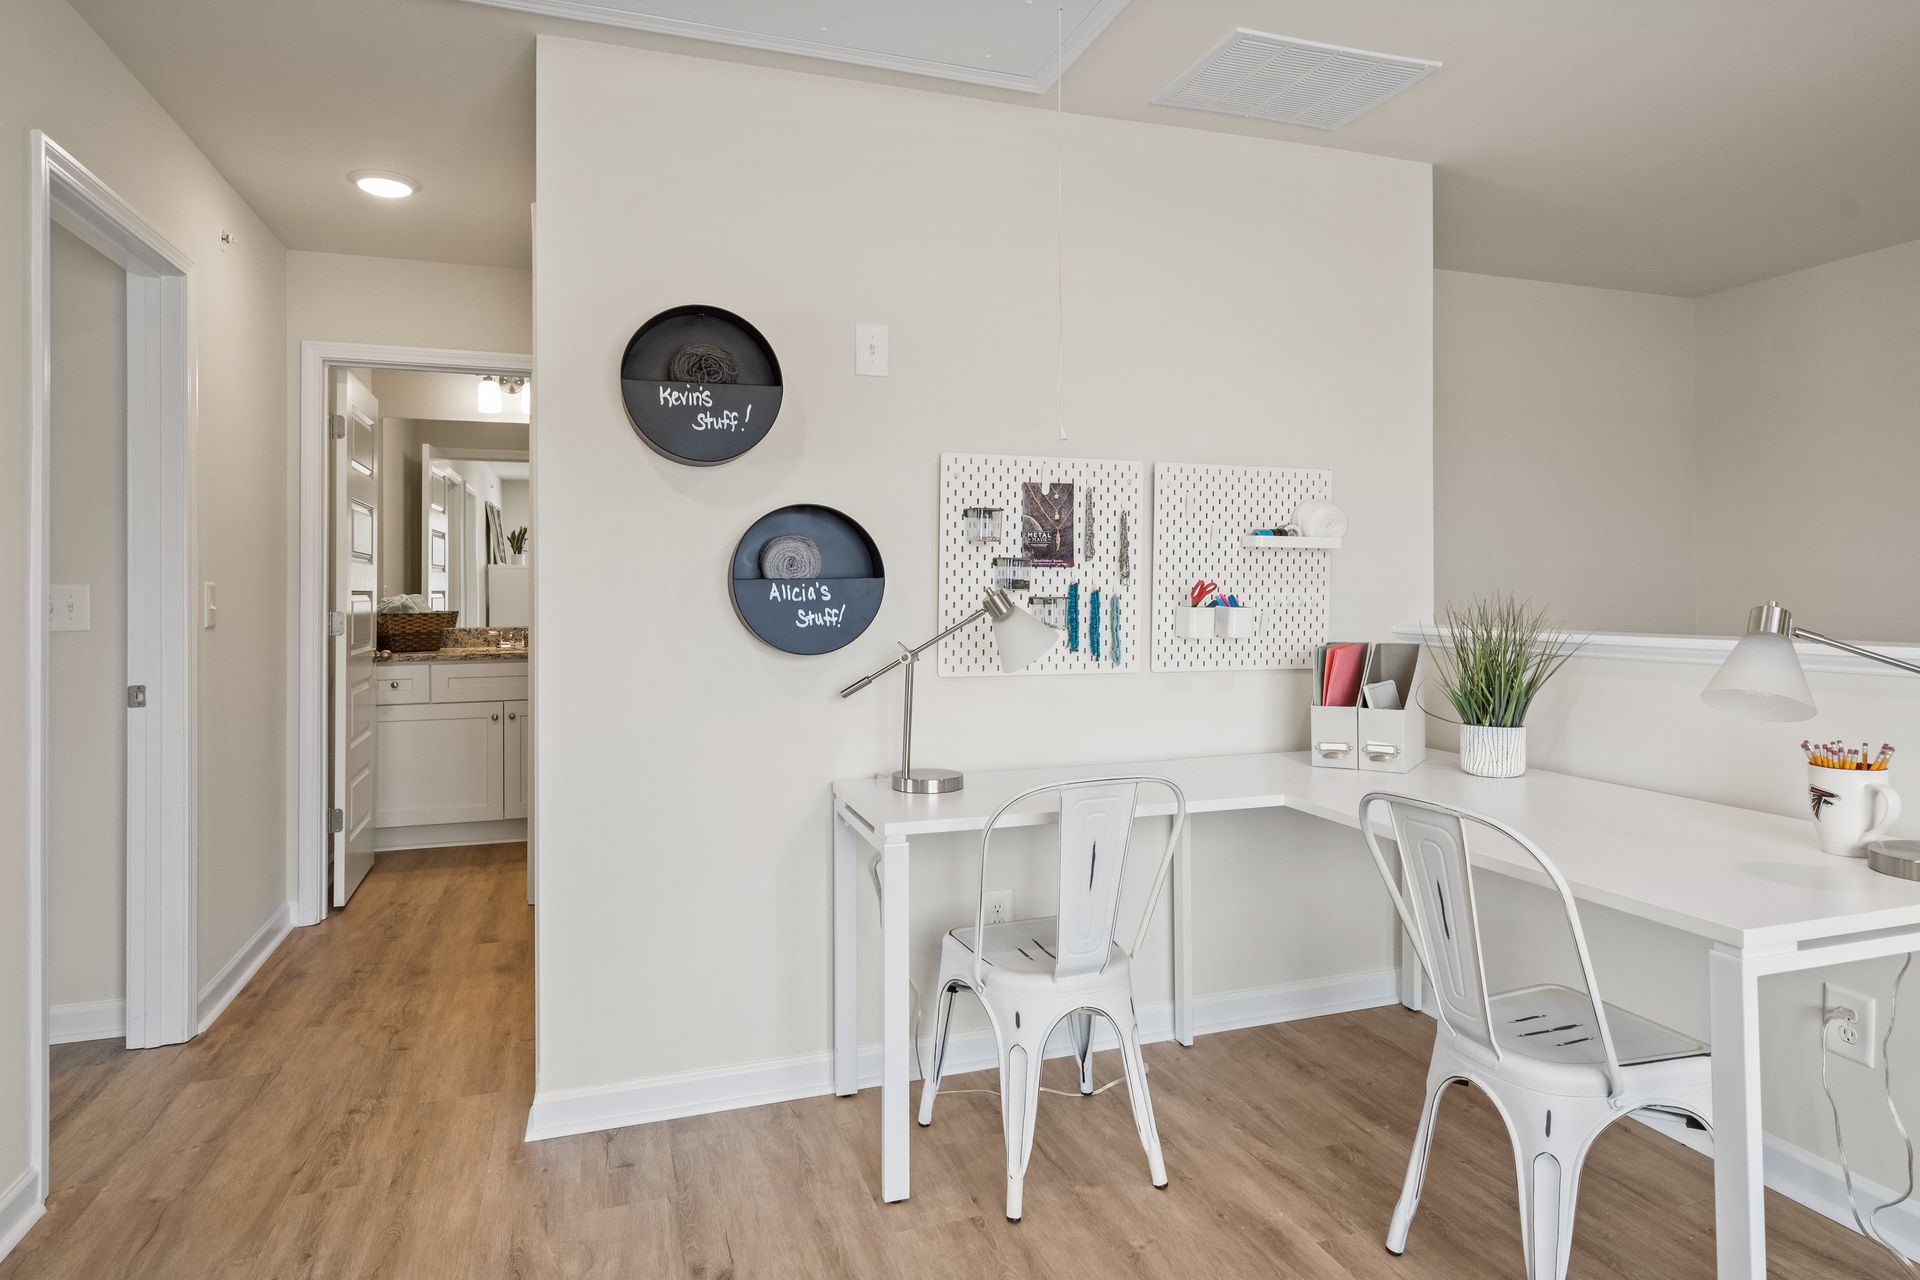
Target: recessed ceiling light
(386, 185)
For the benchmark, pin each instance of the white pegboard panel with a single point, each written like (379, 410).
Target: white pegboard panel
(966, 568)
(1199, 513)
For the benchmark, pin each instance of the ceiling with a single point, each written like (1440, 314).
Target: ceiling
(1674, 146)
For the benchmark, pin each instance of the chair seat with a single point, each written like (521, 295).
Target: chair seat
(1555, 1024)
(1021, 953)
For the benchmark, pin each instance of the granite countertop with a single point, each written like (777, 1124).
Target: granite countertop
(468, 644)
(472, 653)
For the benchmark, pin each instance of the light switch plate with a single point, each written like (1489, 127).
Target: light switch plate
(870, 350)
(209, 611)
(69, 608)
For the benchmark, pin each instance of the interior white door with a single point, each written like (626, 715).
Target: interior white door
(356, 587)
(435, 531)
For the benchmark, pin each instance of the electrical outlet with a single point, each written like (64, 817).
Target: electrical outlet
(999, 906)
(1856, 1035)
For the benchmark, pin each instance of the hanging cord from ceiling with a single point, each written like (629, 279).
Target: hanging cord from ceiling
(1060, 220)
(1868, 1222)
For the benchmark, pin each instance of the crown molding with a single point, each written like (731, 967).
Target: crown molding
(609, 15)
(1704, 651)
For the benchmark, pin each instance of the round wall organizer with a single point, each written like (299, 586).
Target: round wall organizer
(813, 614)
(700, 423)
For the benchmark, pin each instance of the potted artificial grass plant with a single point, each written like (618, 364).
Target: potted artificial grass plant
(1492, 658)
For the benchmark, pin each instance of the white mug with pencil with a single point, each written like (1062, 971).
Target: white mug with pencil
(1847, 790)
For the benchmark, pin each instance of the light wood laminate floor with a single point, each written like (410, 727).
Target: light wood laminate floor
(358, 1112)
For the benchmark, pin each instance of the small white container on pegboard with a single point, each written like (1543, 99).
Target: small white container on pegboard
(1083, 525)
(1203, 519)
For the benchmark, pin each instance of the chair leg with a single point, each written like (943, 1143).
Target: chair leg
(1549, 1168)
(1080, 1024)
(930, 1087)
(1019, 1098)
(1128, 1029)
(1416, 1167)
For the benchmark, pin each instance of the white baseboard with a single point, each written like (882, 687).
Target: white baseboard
(560, 1112)
(20, 1207)
(92, 1020)
(447, 835)
(1811, 1180)
(234, 975)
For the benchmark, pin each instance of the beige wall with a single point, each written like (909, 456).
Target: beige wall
(1563, 457)
(87, 715)
(1803, 400)
(56, 75)
(445, 396)
(1809, 429)
(1228, 300)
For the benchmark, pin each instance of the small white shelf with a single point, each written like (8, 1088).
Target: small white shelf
(1275, 541)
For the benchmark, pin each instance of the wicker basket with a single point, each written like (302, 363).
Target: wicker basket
(414, 632)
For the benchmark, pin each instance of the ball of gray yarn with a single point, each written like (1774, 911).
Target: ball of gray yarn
(790, 556)
(703, 362)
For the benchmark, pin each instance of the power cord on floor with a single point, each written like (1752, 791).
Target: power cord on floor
(913, 1018)
(1868, 1222)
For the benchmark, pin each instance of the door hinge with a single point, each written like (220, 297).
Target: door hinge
(337, 426)
(336, 623)
(336, 820)
(136, 696)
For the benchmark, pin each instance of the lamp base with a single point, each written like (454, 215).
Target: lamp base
(1895, 858)
(929, 782)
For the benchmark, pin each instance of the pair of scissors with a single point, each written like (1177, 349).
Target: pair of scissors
(1200, 592)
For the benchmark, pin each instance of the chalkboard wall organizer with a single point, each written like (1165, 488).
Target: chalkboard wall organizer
(809, 615)
(700, 424)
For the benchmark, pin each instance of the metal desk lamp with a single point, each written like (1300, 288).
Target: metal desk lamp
(1762, 680)
(1019, 639)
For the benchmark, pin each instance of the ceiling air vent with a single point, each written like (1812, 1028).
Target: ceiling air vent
(1263, 77)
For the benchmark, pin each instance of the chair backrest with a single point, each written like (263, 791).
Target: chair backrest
(1096, 826)
(1434, 896)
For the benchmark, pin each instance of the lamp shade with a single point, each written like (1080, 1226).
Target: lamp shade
(1761, 680)
(1020, 638)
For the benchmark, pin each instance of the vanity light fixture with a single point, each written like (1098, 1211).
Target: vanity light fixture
(1762, 678)
(1019, 639)
(494, 390)
(383, 183)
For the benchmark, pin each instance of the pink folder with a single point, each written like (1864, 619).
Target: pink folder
(1345, 663)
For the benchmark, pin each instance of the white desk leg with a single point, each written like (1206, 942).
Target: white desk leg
(896, 1031)
(1183, 936)
(1739, 1176)
(846, 957)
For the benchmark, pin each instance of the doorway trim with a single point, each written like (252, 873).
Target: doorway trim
(307, 798)
(162, 409)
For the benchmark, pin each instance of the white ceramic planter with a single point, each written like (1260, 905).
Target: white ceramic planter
(1487, 752)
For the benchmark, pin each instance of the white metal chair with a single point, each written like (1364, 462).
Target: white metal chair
(1559, 1065)
(1034, 974)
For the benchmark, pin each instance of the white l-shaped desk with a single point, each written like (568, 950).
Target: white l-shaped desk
(1755, 885)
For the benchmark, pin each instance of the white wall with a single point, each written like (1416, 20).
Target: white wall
(1563, 456)
(56, 75)
(1228, 300)
(1809, 387)
(87, 770)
